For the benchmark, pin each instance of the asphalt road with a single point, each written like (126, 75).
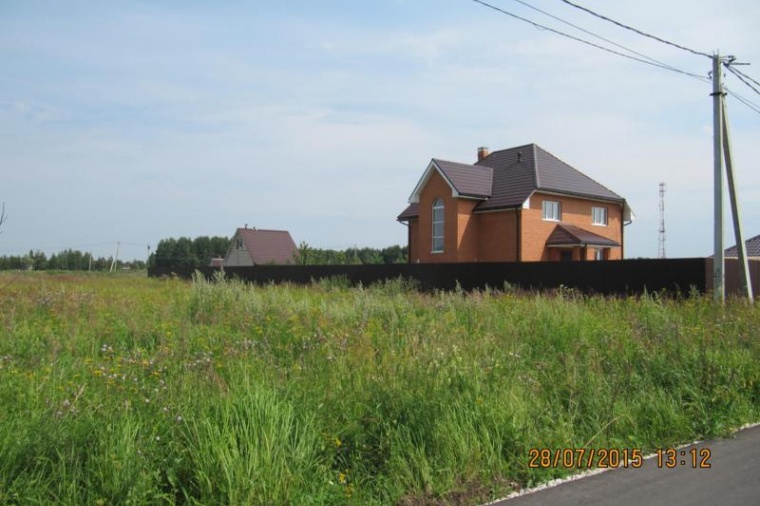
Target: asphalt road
(733, 479)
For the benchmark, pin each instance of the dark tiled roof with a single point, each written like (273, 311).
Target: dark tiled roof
(268, 246)
(570, 235)
(520, 171)
(517, 173)
(467, 180)
(753, 248)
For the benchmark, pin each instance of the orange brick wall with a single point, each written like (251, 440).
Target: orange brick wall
(491, 237)
(413, 232)
(535, 231)
(435, 188)
(498, 237)
(467, 231)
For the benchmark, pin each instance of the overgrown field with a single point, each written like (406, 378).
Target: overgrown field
(122, 390)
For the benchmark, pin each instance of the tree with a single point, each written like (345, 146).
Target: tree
(3, 217)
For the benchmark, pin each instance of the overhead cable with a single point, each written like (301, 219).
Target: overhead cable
(698, 53)
(744, 101)
(742, 78)
(578, 39)
(592, 33)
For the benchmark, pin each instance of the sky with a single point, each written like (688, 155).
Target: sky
(133, 121)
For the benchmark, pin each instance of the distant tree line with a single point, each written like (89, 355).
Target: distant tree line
(188, 254)
(67, 260)
(350, 256)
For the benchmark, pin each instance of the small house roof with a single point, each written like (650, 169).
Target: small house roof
(571, 235)
(752, 245)
(465, 180)
(268, 246)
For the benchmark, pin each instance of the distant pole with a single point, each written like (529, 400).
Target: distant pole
(116, 257)
(719, 291)
(661, 251)
(741, 247)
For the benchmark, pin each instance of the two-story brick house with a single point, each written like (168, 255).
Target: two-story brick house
(516, 205)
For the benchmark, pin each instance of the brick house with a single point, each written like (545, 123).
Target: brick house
(251, 246)
(516, 205)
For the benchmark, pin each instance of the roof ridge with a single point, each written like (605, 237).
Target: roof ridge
(256, 229)
(512, 148)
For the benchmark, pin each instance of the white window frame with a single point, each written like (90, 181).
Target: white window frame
(551, 210)
(599, 216)
(438, 228)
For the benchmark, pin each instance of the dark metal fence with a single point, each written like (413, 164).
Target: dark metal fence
(680, 275)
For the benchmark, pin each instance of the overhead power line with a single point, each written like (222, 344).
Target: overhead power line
(698, 53)
(743, 100)
(592, 33)
(737, 71)
(742, 78)
(648, 61)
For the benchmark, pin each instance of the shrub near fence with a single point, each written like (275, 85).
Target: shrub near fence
(680, 275)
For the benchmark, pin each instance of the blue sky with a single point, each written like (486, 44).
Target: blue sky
(134, 121)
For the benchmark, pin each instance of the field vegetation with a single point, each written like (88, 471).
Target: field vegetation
(125, 390)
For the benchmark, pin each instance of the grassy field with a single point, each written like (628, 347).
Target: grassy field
(124, 390)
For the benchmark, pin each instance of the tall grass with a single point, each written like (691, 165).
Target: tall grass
(133, 391)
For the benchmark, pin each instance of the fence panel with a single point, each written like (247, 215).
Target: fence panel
(613, 277)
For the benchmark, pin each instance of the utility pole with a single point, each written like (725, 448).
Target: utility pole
(741, 247)
(719, 291)
(721, 149)
(115, 258)
(661, 248)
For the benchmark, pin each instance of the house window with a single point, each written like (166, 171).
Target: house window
(438, 226)
(239, 244)
(552, 211)
(598, 254)
(599, 216)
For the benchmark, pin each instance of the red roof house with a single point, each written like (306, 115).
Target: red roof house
(514, 205)
(251, 246)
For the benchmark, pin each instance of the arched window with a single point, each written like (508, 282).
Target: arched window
(438, 226)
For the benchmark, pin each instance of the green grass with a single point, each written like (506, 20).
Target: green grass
(121, 390)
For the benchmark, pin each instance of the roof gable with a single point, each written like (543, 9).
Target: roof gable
(465, 181)
(267, 246)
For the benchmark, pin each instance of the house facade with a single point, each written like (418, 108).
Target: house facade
(251, 246)
(516, 205)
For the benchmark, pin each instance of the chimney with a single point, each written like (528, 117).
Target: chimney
(482, 153)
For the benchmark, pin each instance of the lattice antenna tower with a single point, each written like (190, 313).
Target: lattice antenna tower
(661, 242)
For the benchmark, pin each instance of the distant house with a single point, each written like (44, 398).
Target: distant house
(251, 246)
(515, 205)
(753, 249)
(217, 262)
